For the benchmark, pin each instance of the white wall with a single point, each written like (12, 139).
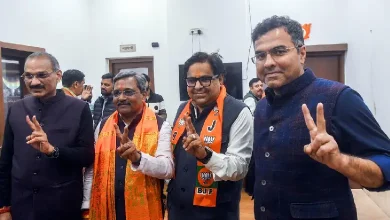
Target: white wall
(128, 22)
(61, 27)
(363, 26)
(83, 33)
(223, 24)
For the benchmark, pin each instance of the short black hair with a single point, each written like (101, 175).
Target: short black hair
(140, 78)
(55, 66)
(254, 80)
(146, 77)
(214, 59)
(293, 28)
(108, 76)
(71, 76)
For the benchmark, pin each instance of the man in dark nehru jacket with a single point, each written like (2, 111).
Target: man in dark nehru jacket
(48, 139)
(311, 135)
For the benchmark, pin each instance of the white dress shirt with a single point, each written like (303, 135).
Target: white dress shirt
(233, 165)
(160, 166)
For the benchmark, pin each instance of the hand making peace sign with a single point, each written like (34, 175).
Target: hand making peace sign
(323, 147)
(192, 142)
(38, 138)
(127, 149)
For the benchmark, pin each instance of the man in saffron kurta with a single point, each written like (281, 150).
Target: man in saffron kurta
(124, 183)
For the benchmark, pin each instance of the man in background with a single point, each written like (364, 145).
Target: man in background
(48, 139)
(154, 100)
(104, 105)
(73, 85)
(255, 93)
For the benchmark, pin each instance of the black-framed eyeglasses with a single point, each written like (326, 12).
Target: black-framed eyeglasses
(39, 75)
(205, 81)
(274, 52)
(127, 92)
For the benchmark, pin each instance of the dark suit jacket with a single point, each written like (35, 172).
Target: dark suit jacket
(34, 185)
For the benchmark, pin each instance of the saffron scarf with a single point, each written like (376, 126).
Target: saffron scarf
(68, 92)
(211, 135)
(142, 193)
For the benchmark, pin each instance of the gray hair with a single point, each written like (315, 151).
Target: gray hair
(141, 80)
(54, 62)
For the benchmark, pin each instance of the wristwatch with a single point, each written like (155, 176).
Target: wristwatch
(137, 163)
(54, 154)
(207, 158)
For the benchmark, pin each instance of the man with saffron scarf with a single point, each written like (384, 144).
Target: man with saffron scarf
(212, 141)
(132, 154)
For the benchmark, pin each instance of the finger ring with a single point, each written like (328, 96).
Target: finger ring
(193, 136)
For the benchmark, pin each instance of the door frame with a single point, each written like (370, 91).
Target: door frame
(16, 47)
(333, 50)
(143, 59)
(330, 50)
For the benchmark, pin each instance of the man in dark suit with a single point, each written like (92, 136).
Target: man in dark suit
(48, 139)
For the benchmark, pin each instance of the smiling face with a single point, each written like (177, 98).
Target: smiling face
(286, 63)
(40, 78)
(203, 95)
(128, 97)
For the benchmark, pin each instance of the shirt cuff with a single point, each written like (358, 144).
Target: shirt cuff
(144, 158)
(85, 205)
(213, 163)
(383, 161)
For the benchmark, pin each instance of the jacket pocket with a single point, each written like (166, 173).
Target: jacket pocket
(318, 210)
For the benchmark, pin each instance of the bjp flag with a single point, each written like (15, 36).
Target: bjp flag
(306, 30)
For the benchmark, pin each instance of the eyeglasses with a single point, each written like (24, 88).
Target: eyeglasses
(39, 75)
(127, 92)
(205, 81)
(274, 52)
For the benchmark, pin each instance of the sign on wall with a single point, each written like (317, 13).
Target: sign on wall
(128, 48)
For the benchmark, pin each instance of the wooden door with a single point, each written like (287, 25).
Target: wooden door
(138, 65)
(327, 61)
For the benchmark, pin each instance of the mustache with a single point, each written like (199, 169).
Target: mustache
(124, 103)
(37, 87)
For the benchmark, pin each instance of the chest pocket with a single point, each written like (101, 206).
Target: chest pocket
(61, 136)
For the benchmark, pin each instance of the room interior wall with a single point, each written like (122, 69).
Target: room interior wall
(61, 27)
(223, 25)
(118, 22)
(82, 34)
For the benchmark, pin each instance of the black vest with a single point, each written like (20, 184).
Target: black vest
(250, 95)
(109, 108)
(181, 188)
